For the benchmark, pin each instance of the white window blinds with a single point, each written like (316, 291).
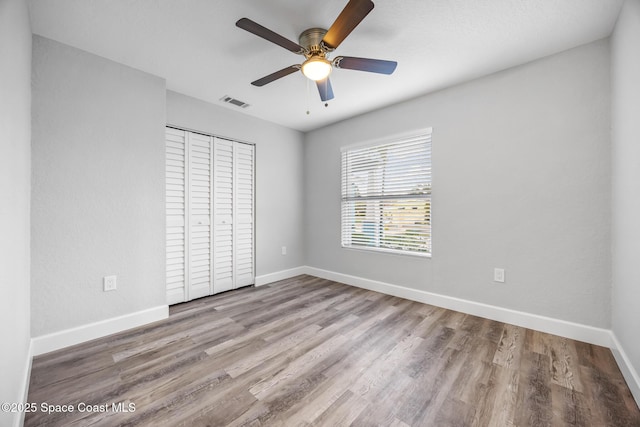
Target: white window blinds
(386, 196)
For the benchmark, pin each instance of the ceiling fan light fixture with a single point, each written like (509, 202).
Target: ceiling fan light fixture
(316, 68)
(316, 43)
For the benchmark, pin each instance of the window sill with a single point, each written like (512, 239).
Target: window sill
(387, 251)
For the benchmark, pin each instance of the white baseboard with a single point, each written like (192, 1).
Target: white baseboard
(279, 275)
(549, 325)
(57, 340)
(626, 367)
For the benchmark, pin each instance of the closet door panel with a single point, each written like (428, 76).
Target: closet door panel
(244, 207)
(175, 197)
(200, 247)
(223, 216)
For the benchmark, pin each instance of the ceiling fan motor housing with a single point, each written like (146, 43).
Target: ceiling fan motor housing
(311, 39)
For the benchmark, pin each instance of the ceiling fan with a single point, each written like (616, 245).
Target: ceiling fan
(317, 43)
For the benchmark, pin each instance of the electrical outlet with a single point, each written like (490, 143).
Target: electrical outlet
(109, 283)
(284, 250)
(498, 275)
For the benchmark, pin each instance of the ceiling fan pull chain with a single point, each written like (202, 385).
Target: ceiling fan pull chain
(307, 96)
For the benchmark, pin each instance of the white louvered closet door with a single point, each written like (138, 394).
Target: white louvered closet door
(199, 221)
(176, 205)
(233, 215)
(243, 224)
(189, 210)
(210, 211)
(223, 215)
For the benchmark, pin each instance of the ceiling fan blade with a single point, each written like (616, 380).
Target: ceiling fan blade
(324, 87)
(260, 31)
(365, 64)
(352, 14)
(275, 76)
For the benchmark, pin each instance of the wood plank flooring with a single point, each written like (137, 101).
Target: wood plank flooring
(307, 351)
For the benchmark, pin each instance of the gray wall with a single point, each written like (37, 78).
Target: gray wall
(279, 175)
(521, 180)
(97, 188)
(625, 103)
(15, 181)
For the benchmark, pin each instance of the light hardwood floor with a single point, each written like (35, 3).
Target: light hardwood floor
(307, 351)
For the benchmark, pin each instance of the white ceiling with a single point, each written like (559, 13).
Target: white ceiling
(196, 47)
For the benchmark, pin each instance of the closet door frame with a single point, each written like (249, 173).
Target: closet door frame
(188, 246)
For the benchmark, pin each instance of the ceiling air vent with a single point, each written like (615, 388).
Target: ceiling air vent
(234, 101)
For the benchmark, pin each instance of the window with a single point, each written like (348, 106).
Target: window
(386, 196)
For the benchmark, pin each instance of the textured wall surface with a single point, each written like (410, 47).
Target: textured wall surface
(98, 188)
(15, 180)
(279, 175)
(521, 181)
(625, 103)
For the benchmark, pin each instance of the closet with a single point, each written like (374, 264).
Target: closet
(210, 215)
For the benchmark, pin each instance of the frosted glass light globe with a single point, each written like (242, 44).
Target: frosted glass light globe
(316, 68)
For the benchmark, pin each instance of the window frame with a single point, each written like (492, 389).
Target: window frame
(347, 228)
